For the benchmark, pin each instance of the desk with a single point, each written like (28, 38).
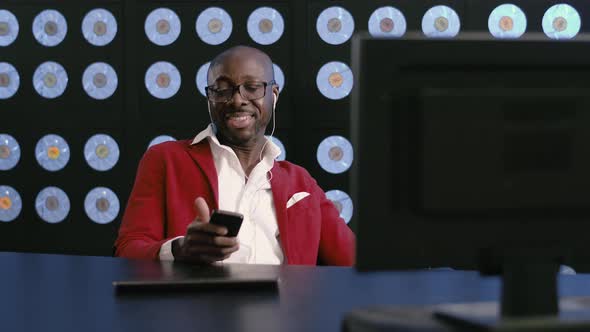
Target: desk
(75, 293)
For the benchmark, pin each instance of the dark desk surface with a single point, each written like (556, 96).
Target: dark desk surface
(75, 293)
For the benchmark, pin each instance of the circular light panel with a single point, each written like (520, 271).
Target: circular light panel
(99, 27)
(162, 26)
(507, 21)
(8, 27)
(441, 22)
(201, 78)
(387, 22)
(100, 80)
(265, 25)
(9, 152)
(162, 80)
(101, 152)
(335, 25)
(561, 21)
(52, 205)
(161, 139)
(52, 152)
(335, 80)
(335, 154)
(9, 80)
(50, 27)
(214, 26)
(10, 204)
(101, 205)
(342, 202)
(50, 80)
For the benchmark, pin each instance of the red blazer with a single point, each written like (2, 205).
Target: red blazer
(171, 175)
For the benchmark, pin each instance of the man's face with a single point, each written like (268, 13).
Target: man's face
(241, 121)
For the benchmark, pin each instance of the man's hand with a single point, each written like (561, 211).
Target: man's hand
(204, 242)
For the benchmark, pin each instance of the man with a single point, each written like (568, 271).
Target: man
(231, 166)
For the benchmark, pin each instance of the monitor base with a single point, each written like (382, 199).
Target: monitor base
(482, 316)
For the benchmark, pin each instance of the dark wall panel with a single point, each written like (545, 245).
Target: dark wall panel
(304, 117)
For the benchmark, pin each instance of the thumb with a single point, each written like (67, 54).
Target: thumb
(201, 209)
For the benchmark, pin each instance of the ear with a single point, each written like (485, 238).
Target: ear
(275, 96)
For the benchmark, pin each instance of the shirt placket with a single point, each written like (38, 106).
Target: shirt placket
(244, 206)
(248, 198)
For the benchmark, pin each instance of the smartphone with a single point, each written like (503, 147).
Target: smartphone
(230, 220)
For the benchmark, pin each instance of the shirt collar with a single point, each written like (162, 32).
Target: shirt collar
(271, 150)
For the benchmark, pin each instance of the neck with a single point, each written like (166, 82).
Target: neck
(249, 155)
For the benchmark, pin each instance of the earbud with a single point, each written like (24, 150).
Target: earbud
(274, 101)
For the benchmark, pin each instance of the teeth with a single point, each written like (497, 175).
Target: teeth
(240, 118)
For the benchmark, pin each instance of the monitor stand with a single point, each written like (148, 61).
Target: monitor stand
(529, 302)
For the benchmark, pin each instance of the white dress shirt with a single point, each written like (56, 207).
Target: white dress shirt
(249, 195)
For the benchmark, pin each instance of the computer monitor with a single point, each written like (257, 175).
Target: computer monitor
(471, 153)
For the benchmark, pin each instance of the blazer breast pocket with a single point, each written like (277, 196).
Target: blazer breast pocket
(296, 198)
(304, 223)
(301, 208)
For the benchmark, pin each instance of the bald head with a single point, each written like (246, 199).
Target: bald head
(241, 54)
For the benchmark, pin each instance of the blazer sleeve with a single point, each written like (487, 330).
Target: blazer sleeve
(142, 228)
(337, 241)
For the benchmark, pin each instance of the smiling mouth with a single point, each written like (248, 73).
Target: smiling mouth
(239, 120)
(239, 116)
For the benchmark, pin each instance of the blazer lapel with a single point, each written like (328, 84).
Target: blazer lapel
(201, 154)
(279, 184)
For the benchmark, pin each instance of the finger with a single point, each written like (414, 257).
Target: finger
(203, 227)
(202, 210)
(200, 238)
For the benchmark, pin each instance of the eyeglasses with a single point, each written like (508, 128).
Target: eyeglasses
(248, 91)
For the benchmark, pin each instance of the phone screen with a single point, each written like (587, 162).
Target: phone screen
(230, 220)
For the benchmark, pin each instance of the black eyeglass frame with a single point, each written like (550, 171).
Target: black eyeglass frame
(237, 88)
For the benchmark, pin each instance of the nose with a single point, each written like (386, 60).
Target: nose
(237, 100)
